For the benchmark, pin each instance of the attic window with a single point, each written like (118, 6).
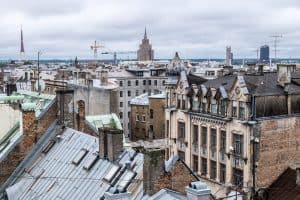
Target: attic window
(79, 157)
(48, 146)
(112, 172)
(91, 161)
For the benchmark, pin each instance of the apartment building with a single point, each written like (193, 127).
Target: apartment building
(134, 82)
(236, 127)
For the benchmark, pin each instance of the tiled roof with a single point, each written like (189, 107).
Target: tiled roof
(71, 169)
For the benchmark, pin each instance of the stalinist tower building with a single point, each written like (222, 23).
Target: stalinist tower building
(145, 52)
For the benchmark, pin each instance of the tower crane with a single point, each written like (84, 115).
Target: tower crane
(115, 53)
(95, 48)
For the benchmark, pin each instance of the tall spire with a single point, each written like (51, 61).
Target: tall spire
(22, 44)
(145, 34)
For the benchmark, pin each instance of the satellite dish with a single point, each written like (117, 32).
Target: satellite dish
(40, 85)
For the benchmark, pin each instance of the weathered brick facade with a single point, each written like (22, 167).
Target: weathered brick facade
(33, 129)
(156, 178)
(279, 148)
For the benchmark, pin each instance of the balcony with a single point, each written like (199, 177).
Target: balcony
(222, 155)
(203, 151)
(213, 153)
(237, 161)
(195, 148)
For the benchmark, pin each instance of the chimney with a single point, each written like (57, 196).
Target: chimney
(104, 77)
(251, 68)
(260, 69)
(284, 73)
(153, 169)
(65, 99)
(110, 143)
(28, 120)
(114, 194)
(198, 191)
(81, 115)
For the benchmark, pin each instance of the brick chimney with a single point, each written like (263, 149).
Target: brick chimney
(153, 169)
(28, 122)
(284, 73)
(110, 143)
(81, 115)
(198, 191)
(65, 102)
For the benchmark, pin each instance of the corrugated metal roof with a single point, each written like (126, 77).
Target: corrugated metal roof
(54, 176)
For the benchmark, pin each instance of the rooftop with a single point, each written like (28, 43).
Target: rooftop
(68, 167)
(104, 121)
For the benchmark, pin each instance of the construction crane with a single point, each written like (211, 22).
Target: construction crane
(115, 53)
(95, 49)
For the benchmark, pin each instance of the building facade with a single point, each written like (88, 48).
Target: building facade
(216, 126)
(264, 54)
(145, 51)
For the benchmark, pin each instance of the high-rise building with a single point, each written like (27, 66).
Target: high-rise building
(22, 49)
(264, 53)
(229, 56)
(145, 52)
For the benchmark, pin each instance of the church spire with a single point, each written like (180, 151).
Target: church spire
(145, 34)
(22, 43)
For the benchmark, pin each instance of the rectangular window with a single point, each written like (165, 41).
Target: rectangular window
(151, 113)
(168, 124)
(144, 82)
(238, 178)
(121, 115)
(238, 144)
(121, 104)
(181, 155)
(195, 163)
(241, 110)
(137, 118)
(222, 173)
(203, 166)
(234, 109)
(136, 82)
(144, 91)
(149, 82)
(136, 93)
(128, 103)
(121, 93)
(213, 142)
(195, 135)
(121, 83)
(214, 108)
(213, 170)
(183, 104)
(203, 136)
(204, 107)
(151, 128)
(181, 130)
(155, 82)
(144, 118)
(128, 114)
(129, 83)
(223, 141)
(178, 103)
(129, 93)
(223, 107)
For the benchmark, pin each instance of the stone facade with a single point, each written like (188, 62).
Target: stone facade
(213, 126)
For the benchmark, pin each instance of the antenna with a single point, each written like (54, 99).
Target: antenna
(276, 40)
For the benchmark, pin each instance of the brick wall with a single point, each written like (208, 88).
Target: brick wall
(279, 148)
(155, 177)
(139, 128)
(158, 120)
(33, 129)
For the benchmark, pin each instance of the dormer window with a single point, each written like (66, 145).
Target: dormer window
(241, 110)
(213, 107)
(234, 108)
(223, 109)
(204, 104)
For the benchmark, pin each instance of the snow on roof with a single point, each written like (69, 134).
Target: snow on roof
(140, 100)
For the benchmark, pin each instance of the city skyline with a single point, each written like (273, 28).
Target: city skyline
(63, 29)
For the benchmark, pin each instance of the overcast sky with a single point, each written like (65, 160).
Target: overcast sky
(194, 28)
